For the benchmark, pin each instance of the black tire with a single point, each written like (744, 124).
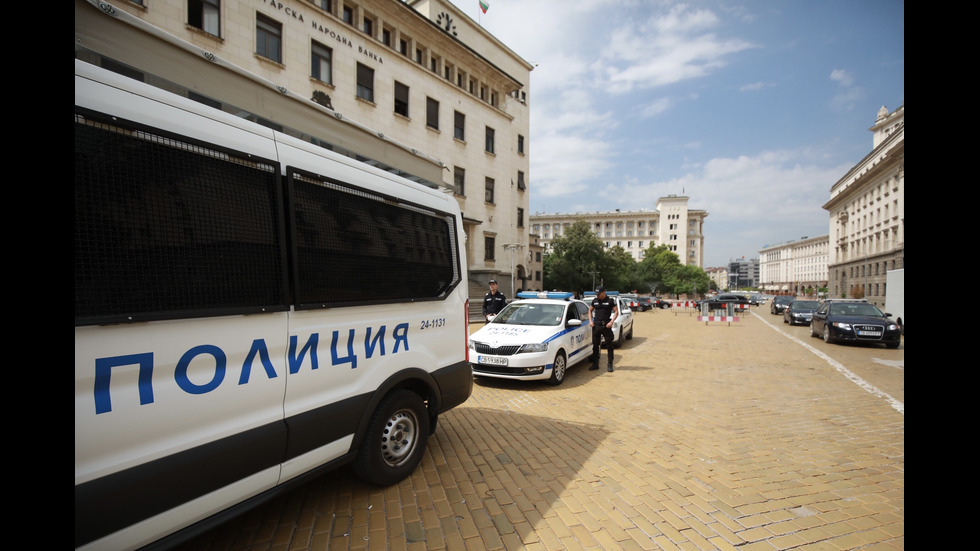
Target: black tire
(813, 331)
(558, 370)
(629, 336)
(395, 440)
(826, 334)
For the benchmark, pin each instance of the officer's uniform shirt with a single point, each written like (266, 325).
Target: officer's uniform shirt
(493, 303)
(602, 310)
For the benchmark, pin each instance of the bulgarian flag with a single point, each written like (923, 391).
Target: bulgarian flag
(484, 6)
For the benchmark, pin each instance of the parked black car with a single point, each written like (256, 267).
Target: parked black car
(643, 304)
(854, 321)
(721, 302)
(800, 312)
(779, 303)
(661, 303)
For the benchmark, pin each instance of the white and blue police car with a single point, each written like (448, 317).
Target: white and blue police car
(537, 337)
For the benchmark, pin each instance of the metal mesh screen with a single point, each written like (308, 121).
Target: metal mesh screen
(356, 246)
(165, 228)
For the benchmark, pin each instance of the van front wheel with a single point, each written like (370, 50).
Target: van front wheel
(395, 439)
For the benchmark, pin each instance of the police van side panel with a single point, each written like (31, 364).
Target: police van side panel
(223, 345)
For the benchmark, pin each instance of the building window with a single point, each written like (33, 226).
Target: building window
(459, 180)
(368, 26)
(520, 180)
(418, 55)
(434, 64)
(205, 15)
(268, 38)
(489, 146)
(488, 245)
(520, 218)
(322, 63)
(459, 126)
(365, 82)
(386, 37)
(401, 99)
(432, 113)
(489, 191)
(520, 144)
(348, 15)
(403, 47)
(325, 5)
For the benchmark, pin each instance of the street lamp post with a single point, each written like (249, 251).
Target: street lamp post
(511, 247)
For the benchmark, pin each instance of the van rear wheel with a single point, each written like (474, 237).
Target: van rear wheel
(395, 440)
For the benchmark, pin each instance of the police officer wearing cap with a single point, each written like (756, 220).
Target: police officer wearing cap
(493, 302)
(602, 312)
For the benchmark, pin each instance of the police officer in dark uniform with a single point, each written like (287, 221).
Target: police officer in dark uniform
(494, 302)
(602, 312)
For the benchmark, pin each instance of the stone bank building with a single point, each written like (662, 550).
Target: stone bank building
(415, 87)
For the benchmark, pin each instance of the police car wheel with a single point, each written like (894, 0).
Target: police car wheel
(395, 440)
(558, 369)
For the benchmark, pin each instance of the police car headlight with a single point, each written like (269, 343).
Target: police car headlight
(534, 347)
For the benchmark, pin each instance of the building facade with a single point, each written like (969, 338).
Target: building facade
(743, 273)
(718, 276)
(794, 268)
(416, 87)
(672, 224)
(867, 215)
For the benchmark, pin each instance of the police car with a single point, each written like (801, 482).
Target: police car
(537, 337)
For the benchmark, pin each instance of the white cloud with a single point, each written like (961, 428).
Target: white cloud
(844, 78)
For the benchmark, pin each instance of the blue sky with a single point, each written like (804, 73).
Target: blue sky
(753, 109)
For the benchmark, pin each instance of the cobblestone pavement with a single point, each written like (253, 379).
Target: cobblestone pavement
(745, 436)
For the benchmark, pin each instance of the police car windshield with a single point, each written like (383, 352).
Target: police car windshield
(531, 314)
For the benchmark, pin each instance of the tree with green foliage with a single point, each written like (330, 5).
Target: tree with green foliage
(655, 268)
(621, 272)
(573, 258)
(579, 261)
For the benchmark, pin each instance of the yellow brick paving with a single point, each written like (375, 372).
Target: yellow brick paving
(706, 437)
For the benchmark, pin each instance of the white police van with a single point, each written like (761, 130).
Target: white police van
(250, 311)
(537, 337)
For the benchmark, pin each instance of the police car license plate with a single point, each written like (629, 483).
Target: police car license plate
(491, 360)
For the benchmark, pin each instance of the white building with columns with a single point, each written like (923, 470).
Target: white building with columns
(796, 268)
(672, 224)
(867, 215)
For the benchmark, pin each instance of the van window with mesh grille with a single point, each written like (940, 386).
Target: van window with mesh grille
(167, 228)
(352, 245)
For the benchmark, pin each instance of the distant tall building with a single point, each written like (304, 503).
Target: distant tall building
(867, 215)
(672, 224)
(743, 273)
